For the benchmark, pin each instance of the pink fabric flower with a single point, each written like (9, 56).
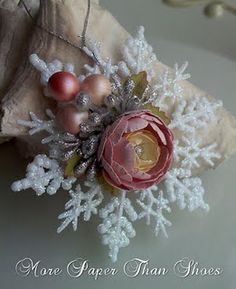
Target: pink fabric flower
(136, 151)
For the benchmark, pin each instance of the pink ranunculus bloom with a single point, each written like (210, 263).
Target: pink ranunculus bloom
(136, 151)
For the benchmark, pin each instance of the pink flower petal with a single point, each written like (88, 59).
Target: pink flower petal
(136, 124)
(117, 130)
(151, 118)
(124, 154)
(162, 164)
(160, 133)
(108, 151)
(109, 169)
(111, 181)
(122, 173)
(141, 175)
(102, 145)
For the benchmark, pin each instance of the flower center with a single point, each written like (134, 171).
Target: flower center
(146, 148)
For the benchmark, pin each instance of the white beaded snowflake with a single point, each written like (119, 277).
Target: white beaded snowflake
(44, 174)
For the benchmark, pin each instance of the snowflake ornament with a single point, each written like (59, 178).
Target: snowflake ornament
(190, 153)
(116, 229)
(44, 175)
(168, 87)
(81, 202)
(118, 129)
(153, 204)
(193, 114)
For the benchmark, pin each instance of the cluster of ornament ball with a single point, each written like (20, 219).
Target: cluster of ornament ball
(65, 88)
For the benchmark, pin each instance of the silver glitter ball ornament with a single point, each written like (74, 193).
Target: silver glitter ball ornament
(83, 101)
(129, 87)
(134, 101)
(67, 155)
(91, 171)
(110, 101)
(81, 168)
(95, 118)
(85, 127)
(89, 147)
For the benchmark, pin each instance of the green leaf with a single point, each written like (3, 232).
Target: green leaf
(114, 112)
(156, 111)
(141, 83)
(106, 186)
(70, 165)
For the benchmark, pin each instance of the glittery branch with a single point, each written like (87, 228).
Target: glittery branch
(187, 191)
(153, 205)
(138, 56)
(189, 153)
(116, 229)
(43, 175)
(81, 202)
(193, 114)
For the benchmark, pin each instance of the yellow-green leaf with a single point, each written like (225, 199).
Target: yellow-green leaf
(156, 111)
(70, 165)
(106, 186)
(141, 83)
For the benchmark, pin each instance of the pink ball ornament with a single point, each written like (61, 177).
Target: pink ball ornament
(97, 86)
(63, 86)
(69, 119)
